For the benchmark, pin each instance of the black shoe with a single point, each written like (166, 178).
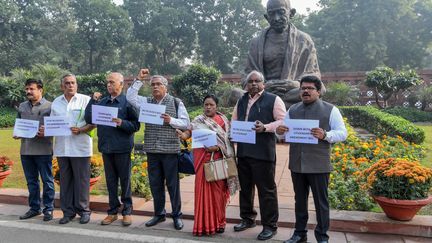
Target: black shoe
(178, 223)
(155, 220)
(85, 218)
(66, 219)
(48, 216)
(243, 225)
(297, 239)
(220, 230)
(266, 234)
(29, 214)
(323, 241)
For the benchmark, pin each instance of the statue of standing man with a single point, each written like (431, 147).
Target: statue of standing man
(282, 53)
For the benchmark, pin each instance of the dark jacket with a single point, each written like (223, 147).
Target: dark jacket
(116, 139)
(262, 109)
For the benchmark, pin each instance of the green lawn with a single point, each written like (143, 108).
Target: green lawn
(11, 148)
(427, 161)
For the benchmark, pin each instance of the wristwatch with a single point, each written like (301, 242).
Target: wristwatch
(325, 134)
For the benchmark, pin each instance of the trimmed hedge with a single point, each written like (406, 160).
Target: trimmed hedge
(7, 117)
(411, 114)
(381, 123)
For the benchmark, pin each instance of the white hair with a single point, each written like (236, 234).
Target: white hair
(162, 78)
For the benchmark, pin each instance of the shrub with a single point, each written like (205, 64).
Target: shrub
(381, 123)
(411, 114)
(340, 93)
(11, 92)
(399, 179)
(88, 84)
(348, 189)
(7, 117)
(195, 83)
(140, 184)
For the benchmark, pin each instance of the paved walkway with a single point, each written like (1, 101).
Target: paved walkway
(166, 232)
(346, 226)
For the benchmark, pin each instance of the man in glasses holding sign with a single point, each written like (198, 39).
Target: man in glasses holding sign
(257, 157)
(162, 114)
(312, 125)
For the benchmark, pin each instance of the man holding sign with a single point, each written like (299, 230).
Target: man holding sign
(310, 163)
(257, 161)
(73, 152)
(36, 152)
(162, 145)
(116, 143)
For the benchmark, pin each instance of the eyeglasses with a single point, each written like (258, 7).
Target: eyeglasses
(253, 81)
(307, 88)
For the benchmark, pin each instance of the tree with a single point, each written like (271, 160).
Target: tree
(103, 29)
(224, 30)
(166, 28)
(388, 83)
(360, 35)
(198, 81)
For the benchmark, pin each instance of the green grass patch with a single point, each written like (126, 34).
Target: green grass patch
(427, 160)
(427, 127)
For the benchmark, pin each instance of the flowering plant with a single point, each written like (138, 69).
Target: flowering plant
(140, 185)
(5, 163)
(348, 188)
(399, 179)
(96, 164)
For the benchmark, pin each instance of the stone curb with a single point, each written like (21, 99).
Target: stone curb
(341, 221)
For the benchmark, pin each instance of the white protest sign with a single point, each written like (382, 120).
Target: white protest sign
(25, 128)
(103, 115)
(300, 131)
(57, 126)
(242, 132)
(203, 138)
(151, 113)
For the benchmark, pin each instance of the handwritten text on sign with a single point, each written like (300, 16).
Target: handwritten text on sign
(242, 132)
(300, 131)
(151, 113)
(203, 138)
(103, 115)
(25, 128)
(57, 126)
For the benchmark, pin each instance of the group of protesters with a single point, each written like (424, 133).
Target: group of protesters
(256, 162)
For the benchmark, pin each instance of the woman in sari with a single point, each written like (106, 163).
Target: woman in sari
(211, 198)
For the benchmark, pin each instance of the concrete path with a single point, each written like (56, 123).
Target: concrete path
(35, 230)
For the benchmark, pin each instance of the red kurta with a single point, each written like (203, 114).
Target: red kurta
(211, 198)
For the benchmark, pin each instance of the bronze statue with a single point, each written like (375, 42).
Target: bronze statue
(282, 53)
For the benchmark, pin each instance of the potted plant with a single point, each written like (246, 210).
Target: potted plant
(5, 168)
(401, 187)
(96, 164)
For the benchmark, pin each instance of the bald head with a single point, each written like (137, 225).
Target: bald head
(117, 76)
(278, 14)
(115, 83)
(277, 4)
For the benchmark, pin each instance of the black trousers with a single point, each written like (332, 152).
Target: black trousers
(259, 173)
(319, 185)
(74, 185)
(163, 170)
(118, 166)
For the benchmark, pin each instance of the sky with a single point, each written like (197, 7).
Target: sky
(300, 5)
